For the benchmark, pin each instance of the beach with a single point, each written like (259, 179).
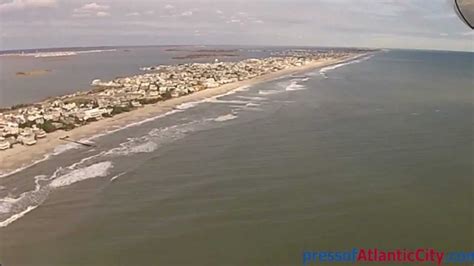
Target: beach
(20, 157)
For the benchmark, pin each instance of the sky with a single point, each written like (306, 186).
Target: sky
(412, 24)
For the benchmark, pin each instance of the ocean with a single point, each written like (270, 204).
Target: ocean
(375, 153)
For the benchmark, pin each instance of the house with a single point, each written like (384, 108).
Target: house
(69, 107)
(11, 129)
(27, 138)
(95, 113)
(211, 83)
(4, 144)
(136, 104)
(153, 93)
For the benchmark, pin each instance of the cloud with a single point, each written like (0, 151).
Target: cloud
(15, 5)
(133, 14)
(391, 23)
(91, 10)
(102, 14)
(187, 13)
(93, 7)
(234, 21)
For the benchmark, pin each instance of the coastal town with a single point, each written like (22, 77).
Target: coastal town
(28, 124)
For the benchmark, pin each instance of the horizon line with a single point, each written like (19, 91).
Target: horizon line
(236, 45)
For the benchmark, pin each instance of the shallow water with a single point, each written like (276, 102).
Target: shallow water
(374, 154)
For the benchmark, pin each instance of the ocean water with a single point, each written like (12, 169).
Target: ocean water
(377, 153)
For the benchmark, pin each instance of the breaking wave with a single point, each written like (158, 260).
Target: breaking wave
(269, 92)
(12, 209)
(95, 170)
(187, 105)
(256, 98)
(99, 165)
(17, 216)
(226, 117)
(294, 86)
(324, 70)
(117, 176)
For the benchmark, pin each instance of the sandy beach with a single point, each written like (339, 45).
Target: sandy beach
(23, 156)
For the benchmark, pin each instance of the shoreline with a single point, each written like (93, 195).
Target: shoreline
(21, 157)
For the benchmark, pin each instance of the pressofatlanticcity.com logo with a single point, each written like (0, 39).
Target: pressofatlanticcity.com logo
(426, 256)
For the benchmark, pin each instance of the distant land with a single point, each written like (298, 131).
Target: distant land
(204, 53)
(185, 47)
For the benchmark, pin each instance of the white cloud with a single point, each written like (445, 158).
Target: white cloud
(26, 4)
(93, 7)
(331, 22)
(187, 13)
(102, 14)
(133, 14)
(91, 10)
(234, 21)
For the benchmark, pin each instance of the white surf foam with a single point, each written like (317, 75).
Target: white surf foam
(135, 124)
(249, 107)
(227, 101)
(17, 216)
(117, 176)
(144, 148)
(65, 147)
(226, 117)
(268, 92)
(9, 173)
(57, 151)
(6, 205)
(155, 137)
(252, 105)
(255, 98)
(294, 86)
(26, 202)
(214, 99)
(242, 88)
(75, 165)
(96, 170)
(324, 70)
(188, 105)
